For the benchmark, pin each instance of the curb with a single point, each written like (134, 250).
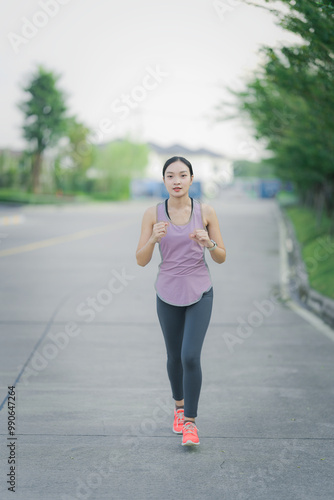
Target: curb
(297, 282)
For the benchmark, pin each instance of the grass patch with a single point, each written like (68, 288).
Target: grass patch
(12, 196)
(317, 246)
(286, 198)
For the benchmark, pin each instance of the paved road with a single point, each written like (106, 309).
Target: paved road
(81, 342)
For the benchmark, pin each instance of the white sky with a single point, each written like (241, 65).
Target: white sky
(103, 49)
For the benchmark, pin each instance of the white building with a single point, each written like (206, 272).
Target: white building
(211, 169)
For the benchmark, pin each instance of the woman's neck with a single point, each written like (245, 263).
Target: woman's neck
(179, 203)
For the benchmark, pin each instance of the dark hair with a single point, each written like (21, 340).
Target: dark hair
(174, 159)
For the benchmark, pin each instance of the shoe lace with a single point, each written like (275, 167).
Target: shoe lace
(190, 427)
(179, 416)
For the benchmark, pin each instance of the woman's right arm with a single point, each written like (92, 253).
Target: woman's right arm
(151, 233)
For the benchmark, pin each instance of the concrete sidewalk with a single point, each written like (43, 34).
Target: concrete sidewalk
(94, 410)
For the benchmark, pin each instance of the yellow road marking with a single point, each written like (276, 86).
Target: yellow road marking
(7, 220)
(62, 239)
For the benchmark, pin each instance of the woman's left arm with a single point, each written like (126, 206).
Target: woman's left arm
(219, 253)
(204, 237)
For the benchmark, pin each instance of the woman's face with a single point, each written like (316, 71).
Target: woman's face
(177, 179)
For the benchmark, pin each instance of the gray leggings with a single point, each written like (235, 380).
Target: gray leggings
(184, 329)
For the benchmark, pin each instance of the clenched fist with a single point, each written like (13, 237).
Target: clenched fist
(159, 231)
(201, 236)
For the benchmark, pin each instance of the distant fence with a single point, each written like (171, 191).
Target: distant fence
(142, 188)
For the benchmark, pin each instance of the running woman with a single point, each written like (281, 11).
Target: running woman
(183, 227)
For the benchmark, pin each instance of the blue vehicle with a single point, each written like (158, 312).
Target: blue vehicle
(268, 188)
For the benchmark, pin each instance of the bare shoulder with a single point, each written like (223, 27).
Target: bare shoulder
(212, 224)
(207, 209)
(208, 213)
(150, 214)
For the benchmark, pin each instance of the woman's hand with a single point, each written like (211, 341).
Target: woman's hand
(159, 231)
(201, 237)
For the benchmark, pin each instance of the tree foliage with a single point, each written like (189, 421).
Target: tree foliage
(117, 162)
(44, 117)
(290, 101)
(78, 165)
(74, 157)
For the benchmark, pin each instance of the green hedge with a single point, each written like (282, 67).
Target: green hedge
(317, 246)
(12, 196)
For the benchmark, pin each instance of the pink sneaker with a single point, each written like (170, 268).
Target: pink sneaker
(190, 436)
(178, 421)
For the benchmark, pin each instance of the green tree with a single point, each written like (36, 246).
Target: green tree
(245, 168)
(118, 162)
(290, 101)
(45, 117)
(9, 168)
(75, 157)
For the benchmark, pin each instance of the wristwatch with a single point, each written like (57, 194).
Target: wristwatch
(214, 246)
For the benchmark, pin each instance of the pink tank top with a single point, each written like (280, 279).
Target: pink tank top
(183, 274)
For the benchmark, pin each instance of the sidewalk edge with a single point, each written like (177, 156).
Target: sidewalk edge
(309, 315)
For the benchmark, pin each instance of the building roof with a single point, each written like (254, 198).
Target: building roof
(178, 149)
(11, 152)
(172, 150)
